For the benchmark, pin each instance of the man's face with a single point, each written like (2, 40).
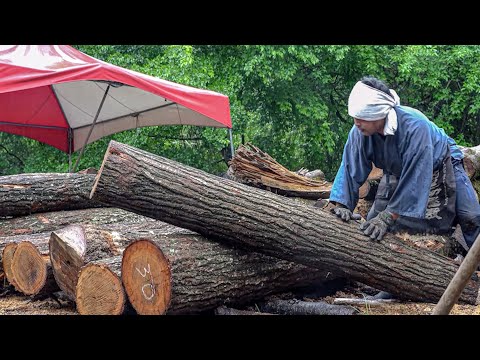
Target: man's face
(368, 128)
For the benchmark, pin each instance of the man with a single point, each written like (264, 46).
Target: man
(424, 184)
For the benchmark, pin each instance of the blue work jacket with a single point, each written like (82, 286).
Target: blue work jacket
(416, 149)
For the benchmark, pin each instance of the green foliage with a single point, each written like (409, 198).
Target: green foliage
(289, 100)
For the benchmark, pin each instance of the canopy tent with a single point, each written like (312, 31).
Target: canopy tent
(64, 98)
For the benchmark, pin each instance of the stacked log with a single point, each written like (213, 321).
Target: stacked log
(254, 167)
(257, 220)
(26, 194)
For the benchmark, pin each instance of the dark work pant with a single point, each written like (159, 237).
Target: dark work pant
(468, 208)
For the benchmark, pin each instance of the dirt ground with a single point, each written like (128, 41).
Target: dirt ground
(12, 303)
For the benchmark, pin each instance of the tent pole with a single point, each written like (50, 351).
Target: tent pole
(232, 149)
(91, 129)
(70, 149)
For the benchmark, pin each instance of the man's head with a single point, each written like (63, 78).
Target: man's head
(370, 102)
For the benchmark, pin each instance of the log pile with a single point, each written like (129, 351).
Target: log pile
(254, 167)
(198, 243)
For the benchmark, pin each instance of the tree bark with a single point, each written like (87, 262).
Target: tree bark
(297, 307)
(73, 247)
(7, 257)
(99, 289)
(206, 274)
(234, 213)
(254, 167)
(50, 221)
(223, 310)
(471, 161)
(26, 194)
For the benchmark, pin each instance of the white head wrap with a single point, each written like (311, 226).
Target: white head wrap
(370, 104)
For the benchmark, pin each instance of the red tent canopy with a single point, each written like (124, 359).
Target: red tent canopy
(52, 93)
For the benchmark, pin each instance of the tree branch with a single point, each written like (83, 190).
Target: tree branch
(12, 155)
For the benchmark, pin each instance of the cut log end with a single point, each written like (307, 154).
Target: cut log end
(67, 247)
(7, 257)
(29, 269)
(99, 291)
(147, 278)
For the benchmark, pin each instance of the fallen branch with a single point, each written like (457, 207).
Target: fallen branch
(298, 307)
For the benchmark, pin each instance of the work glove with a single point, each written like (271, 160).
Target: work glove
(378, 226)
(344, 213)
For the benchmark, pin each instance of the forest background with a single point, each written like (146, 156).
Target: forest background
(288, 100)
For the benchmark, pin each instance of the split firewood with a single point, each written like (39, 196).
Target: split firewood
(223, 310)
(99, 289)
(25, 194)
(298, 307)
(257, 220)
(254, 167)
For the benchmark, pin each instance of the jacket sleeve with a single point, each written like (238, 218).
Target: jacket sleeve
(353, 171)
(411, 195)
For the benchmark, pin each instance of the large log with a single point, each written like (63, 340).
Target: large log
(26, 194)
(225, 210)
(50, 221)
(254, 167)
(206, 274)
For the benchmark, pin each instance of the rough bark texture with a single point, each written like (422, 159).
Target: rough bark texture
(73, 247)
(223, 310)
(227, 211)
(471, 161)
(253, 167)
(50, 221)
(7, 257)
(99, 288)
(33, 193)
(297, 307)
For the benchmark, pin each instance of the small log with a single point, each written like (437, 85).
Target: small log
(7, 256)
(147, 277)
(26, 194)
(50, 221)
(364, 302)
(223, 310)
(32, 272)
(99, 288)
(254, 167)
(298, 307)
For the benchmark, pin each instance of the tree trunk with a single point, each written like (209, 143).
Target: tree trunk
(50, 221)
(297, 307)
(99, 288)
(206, 274)
(33, 193)
(147, 277)
(227, 211)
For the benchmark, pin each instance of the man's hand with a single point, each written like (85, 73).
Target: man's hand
(378, 226)
(345, 214)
